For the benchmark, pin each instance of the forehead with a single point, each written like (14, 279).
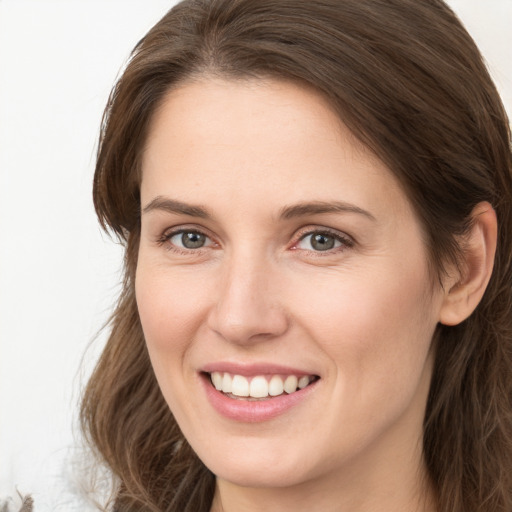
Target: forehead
(253, 137)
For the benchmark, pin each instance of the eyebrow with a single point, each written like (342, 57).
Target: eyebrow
(173, 206)
(288, 212)
(319, 207)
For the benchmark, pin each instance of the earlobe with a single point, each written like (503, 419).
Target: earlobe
(478, 250)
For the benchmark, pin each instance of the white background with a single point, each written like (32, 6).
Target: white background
(58, 273)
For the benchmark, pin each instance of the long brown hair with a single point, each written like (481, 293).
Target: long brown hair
(409, 82)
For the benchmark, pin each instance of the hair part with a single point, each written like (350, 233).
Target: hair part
(408, 81)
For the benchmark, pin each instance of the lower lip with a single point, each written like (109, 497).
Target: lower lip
(254, 411)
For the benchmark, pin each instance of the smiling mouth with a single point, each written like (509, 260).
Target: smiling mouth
(260, 387)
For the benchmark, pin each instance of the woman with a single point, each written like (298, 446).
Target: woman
(315, 200)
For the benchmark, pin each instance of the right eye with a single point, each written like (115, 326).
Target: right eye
(189, 239)
(184, 240)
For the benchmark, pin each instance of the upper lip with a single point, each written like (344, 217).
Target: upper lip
(253, 369)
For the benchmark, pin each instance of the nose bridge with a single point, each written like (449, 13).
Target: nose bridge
(247, 307)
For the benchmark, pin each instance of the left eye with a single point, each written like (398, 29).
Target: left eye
(190, 240)
(319, 242)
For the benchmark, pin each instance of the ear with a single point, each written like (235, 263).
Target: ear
(465, 289)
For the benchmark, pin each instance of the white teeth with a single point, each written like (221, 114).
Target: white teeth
(259, 386)
(226, 383)
(240, 386)
(303, 382)
(217, 380)
(275, 386)
(290, 384)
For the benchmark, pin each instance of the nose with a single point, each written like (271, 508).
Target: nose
(247, 308)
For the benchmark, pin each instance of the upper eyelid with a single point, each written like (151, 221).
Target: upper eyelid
(324, 230)
(310, 230)
(170, 232)
(175, 230)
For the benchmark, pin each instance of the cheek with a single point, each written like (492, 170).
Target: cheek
(383, 305)
(376, 334)
(376, 329)
(169, 311)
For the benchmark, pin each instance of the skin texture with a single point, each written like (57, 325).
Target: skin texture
(361, 316)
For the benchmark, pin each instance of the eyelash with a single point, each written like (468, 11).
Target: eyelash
(345, 242)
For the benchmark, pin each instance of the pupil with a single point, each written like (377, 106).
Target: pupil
(322, 242)
(192, 240)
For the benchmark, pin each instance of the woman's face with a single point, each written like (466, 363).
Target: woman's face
(276, 253)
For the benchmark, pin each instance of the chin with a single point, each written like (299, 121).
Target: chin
(257, 470)
(259, 477)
